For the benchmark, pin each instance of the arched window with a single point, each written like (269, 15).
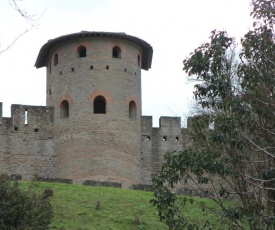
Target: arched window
(116, 52)
(64, 109)
(55, 59)
(138, 60)
(132, 110)
(100, 104)
(81, 51)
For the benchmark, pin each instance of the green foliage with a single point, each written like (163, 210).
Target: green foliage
(22, 209)
(236, 157)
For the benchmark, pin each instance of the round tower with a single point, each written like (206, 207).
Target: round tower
(94, 85)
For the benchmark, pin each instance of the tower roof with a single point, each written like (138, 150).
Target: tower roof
(46, 48)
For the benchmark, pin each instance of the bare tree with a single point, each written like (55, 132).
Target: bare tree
(31, 19)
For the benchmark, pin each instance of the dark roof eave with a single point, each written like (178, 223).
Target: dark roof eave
(46, 48)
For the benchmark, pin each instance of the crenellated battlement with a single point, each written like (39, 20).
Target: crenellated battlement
(27, 117)
(170, 136)
(33, 117)
(169, 129)
(27, 141)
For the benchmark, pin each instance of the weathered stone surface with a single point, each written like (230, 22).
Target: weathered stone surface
(142, 187)
(102, 183)
(59, 180)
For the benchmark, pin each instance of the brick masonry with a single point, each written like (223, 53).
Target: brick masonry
(119, 146)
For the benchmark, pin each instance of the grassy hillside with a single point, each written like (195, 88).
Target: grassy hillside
(75, 208)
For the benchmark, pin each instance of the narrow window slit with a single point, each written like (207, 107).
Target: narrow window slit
(26, 117)
(132, 110)
(55, 59)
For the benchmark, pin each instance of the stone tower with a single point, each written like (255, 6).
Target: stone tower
(94, 86)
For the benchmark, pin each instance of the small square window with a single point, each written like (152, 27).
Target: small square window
(164, 138)
(36, 130)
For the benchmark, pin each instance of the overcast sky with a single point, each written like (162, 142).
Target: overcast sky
(174, 29)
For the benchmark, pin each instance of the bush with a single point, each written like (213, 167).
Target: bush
(22, 209)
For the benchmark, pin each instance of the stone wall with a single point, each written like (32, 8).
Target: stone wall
(26, 141)
(28, 145)
(157, 141)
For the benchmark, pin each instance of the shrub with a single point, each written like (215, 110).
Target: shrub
(22, 209)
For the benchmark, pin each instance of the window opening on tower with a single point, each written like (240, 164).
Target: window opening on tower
(116, 52)
(55, 59)
(132, 110)
(100, 105)
(64, 109)
(81, 51)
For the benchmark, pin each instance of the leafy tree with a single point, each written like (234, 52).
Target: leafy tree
(22, 209)
(234, 93)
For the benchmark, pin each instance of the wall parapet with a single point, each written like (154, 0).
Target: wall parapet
(156, 141)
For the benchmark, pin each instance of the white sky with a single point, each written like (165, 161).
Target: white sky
(174, 29)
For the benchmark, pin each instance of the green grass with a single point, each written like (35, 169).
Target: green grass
(193, 211)
(74, 208)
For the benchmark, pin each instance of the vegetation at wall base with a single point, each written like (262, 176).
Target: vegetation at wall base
(232, 138)
(21, 209)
